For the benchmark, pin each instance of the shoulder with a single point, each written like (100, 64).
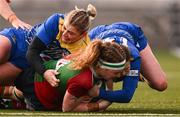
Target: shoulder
(81, 83)
(84, 79)
(56, 16)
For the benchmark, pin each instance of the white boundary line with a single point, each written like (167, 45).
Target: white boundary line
(80, 114)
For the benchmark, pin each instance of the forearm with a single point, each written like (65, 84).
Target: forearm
(91, 107)
(5, 9)
(115, 96)
(130, 83)
(122, 96)
(74, 104)
(33, 55)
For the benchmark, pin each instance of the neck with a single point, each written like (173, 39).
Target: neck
(95, 73)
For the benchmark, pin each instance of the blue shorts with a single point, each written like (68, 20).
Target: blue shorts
(19, 46)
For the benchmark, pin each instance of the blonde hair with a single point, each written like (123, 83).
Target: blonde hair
(81, 18)
(97, 49)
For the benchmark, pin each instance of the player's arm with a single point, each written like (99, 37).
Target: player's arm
(72, 103)
(33, 55)
(100, 104)
(9, 15)
(5, 10)
(46, 34)
(130, 82)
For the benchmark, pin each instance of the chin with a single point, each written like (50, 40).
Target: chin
(65, 41)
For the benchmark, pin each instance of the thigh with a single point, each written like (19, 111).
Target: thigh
(8, 73)
(150, 67)
(5, 49)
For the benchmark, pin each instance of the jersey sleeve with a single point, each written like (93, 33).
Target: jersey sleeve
(130, 82)
(49, 29)
(80, 84)
(96, 31)
(138, 34)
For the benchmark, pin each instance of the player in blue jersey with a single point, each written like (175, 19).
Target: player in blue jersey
(143, 61)
(13, 48)
(56, 36)
(59, 35)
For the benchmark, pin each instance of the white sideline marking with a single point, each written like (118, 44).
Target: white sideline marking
(81, 114)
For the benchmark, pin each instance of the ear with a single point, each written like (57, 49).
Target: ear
(84, 34)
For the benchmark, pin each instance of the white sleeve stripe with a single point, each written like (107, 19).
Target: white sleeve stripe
(133, 73)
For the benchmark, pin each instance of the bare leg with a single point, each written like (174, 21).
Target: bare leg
(152, 71)
(5, 48)
(11, 92)
(8, 72)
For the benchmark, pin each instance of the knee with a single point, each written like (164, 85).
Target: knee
(162, 85)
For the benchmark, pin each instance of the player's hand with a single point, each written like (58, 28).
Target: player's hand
(94, 92)
(50, 76)
(104, 104)
(18, 23)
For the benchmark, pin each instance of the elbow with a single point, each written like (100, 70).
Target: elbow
(65, 109)
(126, 98)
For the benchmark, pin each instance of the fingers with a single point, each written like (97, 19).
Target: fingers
(56, 72)
(55, 82)
(18, 23)
(23, 26)
(50, 76)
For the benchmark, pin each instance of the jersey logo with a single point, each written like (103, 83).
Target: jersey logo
(133, 73)
(61, 63)
(124, 41)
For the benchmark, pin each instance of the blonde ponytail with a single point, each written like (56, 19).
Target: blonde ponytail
(81, 18)
(91, 11)
(87, 57)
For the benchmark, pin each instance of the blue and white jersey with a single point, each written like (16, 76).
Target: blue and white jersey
(48, 33)
(130, 31)
(132, 36)
(20, 39)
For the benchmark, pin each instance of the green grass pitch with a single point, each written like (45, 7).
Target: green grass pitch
(146, 102)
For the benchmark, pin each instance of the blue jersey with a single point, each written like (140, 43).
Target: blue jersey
(20, 40)
(131, 31)
(130, 35)
(50, 33)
